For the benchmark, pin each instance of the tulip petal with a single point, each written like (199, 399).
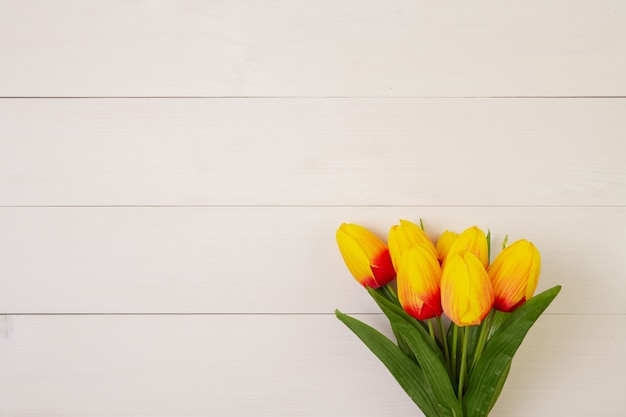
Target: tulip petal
(472, 240)
(369, 242)
(365, 255)
(445, 242)
(404, 236)
(514, 275)
(466, 293)
(419, 277)
(382, 268)
(354, 257)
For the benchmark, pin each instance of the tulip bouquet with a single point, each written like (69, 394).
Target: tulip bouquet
(450, 367)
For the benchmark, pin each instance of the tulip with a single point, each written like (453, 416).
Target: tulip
(514, 275)
(419, 277)
(365, 255)
(405, 236)
(472, 240)
(444, 244)
(466, 293)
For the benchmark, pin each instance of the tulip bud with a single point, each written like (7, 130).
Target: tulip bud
(514, 275)
(365, 255)
(445, 243)
(472, 240)
(405, 236)
(466, 293)
(419, 277)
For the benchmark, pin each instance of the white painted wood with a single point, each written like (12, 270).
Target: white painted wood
(96, 366)
(271, 259)
(305, 48)
(228, 206)
(313, 152)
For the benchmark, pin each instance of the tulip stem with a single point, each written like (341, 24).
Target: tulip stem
(389, 294)
(482, 338)
(431, 330)
(444, 339)
(455, 338)
(488, 246)
(463, 363)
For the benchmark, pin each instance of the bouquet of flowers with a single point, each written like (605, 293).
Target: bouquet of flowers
(455, 367)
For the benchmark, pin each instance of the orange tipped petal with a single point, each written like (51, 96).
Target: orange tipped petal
(365, 255)
(514, 275)
(466, 293)
(404, 236)
(472, 240)
(419, 276)
(382, 268)
(444, 244)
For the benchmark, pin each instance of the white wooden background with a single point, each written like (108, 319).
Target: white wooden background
(172, 174)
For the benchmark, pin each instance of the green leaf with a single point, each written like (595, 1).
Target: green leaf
(433, 367)
(386, 293)
(500, 385)
(499, 318)
(474, 334)
(490, 373)
(391, 309)
(410, 377)
(426, 352)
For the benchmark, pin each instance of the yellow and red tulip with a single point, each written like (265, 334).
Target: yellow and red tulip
(419, 278)
(472, 240)
(466, 293)
(405, 236)
(365, 255)
(514, 275)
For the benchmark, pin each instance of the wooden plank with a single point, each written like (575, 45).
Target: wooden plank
(313, 152)
(270, 259)
(304, 48)
(181, 366)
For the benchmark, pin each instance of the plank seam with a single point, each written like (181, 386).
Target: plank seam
(304, 97)
(262, 314)
(318, 206)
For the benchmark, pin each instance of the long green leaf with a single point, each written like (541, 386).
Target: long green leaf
(427, 354)
(410, 377)
(384, 293)
(434, 370)
(474, 335)
(391, 310)
(488, 376)
(499, 386)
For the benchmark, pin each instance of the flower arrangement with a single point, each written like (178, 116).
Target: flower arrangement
(455, 367)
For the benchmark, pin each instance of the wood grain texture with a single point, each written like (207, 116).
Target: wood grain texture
(167, 221)
(270, 259)
(276, 365)
(313, 152)
(303, 48)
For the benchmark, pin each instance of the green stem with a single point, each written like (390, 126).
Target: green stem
(389, 293)
(455, 338)
(482, 338)
(431, 330)
(488, 246)
(505, 241)
(463, 363)
(444, 339)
